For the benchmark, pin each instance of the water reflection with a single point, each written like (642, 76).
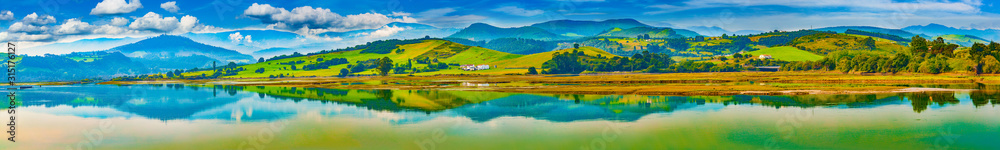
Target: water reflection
(249, 103)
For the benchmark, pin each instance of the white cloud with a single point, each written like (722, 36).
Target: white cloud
(157, 23)
(239, 38)
(73, 26)
(20, 27)
(170, 6)
(236, 37)
(309, 20)
(6, 36)
(6, 15)
(113, 7)
(965, 6)
(35, 19)
(385, 31)
(153, 21)
(396, 14)
(514, 10)
(439, 17)
(119, 21)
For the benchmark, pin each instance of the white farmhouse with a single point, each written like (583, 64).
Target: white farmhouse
(764, 57)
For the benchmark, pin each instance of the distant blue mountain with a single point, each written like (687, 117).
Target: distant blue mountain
(177, 52)
(586, 28)
(717, 31)
(842, 29)
(486, 32)
(938, 30)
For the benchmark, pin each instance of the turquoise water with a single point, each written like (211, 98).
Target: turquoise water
(233, 117)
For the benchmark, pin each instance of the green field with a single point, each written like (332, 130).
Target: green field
(787, 54)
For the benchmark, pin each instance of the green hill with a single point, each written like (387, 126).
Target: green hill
(787, 53)
(637, 31)
(586, 28)
(964, 40)
(823, 43)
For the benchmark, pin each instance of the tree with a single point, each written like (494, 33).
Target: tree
(576, 45)
(869, 43)
(918, 45)
(991, 65)
(260, 60)
(383, 66)
(344, 72)
(170, 74)
(532, 71)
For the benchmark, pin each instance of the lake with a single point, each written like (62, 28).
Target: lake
(174, 116)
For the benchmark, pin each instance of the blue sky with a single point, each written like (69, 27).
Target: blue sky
(43, 22)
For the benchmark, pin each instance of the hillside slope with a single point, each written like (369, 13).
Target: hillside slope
(586, 28)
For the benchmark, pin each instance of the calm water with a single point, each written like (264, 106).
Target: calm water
(254, 117)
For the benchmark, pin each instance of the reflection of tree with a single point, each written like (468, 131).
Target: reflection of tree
(980, 98)
(920, 101)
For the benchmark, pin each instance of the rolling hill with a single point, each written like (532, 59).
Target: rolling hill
(938, 30)
(964, 40)
(823, 43)
(573, 28)
(787, 53)
(176, 52)
(842, 29)
(637, 31)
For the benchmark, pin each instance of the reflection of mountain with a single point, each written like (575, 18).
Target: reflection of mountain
(178, 102)
(163, 102)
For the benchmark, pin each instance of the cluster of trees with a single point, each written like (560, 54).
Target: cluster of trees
(325, 64)
(576, 62)
(924, 57)
(176, 73)
(520, 46)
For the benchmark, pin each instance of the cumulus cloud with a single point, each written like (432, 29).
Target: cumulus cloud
(119, 21)
(73, 26)
(35, 19)
(514, 10)
(170, 6)
(20, 27)
(309, 20)
(384, 31)
(155, 22)
(239, 38)
(113, 7)
(6, 15)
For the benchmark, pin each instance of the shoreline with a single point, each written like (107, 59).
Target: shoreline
(681, 84)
